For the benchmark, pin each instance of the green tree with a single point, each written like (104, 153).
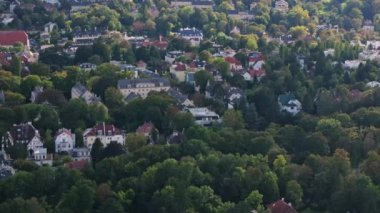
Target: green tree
(234, 119)
(96, 151)
(80, 197)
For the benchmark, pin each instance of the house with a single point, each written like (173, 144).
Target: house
(235, 31)
(182, 100)
(280, 206)
(203, 116)
(233, 96)
(49, 27)
(234, 63)
(146, 129)
(369, 55)
(368, 26)
(352, 64)
(86, 37)
(131, 97)
(256, 59)
(201, 4)
(329, 52)
(41, 157)
(175, 138)
(80, 91)
(190, 78)
(23, 133)
(35, 93)
(10, 38)
(282, 6)
(241, 15)
(372, 45)
(106, 133)
(88, 66)
(78, 165)
(142, 86)
(81, 154)
(288, 103)
(45, 37)
(2, 97)
(193, 35)
(141, 64)
(228, 52)
(373, 84)
(171, 56)
(64, 140)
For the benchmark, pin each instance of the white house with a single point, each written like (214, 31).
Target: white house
(41, 157)
(352, 64)
(288, 103)
(64, 140)
(49, 27)
(142, 86)
(204, 116)
(106, 133)
(373, 84)
(193, 35)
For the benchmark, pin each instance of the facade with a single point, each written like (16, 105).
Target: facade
(172, 55)
(10, 38)
(182, 100)
(204, 116)
(241, 15)
(88, 37)
(193, 35)
(142, 86)
(288, 103)
(81, 154)
(41, 157)
(106, 133)
(201, 4)
(64, 141)
(49, 27)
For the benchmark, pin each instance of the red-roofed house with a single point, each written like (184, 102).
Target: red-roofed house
(146, 129)
(10, 38)
(234, 63)
(257, 73)
(255, 57)
(281, 206)
(105, 132)
(141, 64)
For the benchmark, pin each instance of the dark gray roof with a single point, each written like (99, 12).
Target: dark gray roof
(132, 83)
(177, 95)
(79, 89)
(190, 32)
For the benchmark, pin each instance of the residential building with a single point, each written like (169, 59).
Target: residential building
(372, 45)
(81, 154)
(193, 35)
(88, 66)
(329, 52)
(10, 38)
(373, 84)
(368, 26)
(23, 133)
(256, 59)
(142, 86)
(2, 97)
(35, 93)
(370, 55)
(280, 206)
(234, 63)
(49, 27)
(241, 15)
(182, 100)
(352, 64)
(201, 4)
(64, 140)
(80, 91)
(106, 133)
(146, 129)
(86, 37)
(282, 6)
(289, 103)
(41, 157)
(203, 116)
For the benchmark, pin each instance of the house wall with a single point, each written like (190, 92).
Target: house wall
(142, 91)
(90, 140)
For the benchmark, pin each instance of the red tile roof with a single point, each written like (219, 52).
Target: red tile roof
(10, 38)
(102, 129)
(180, 67)
(146, 128)
(281, 206)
